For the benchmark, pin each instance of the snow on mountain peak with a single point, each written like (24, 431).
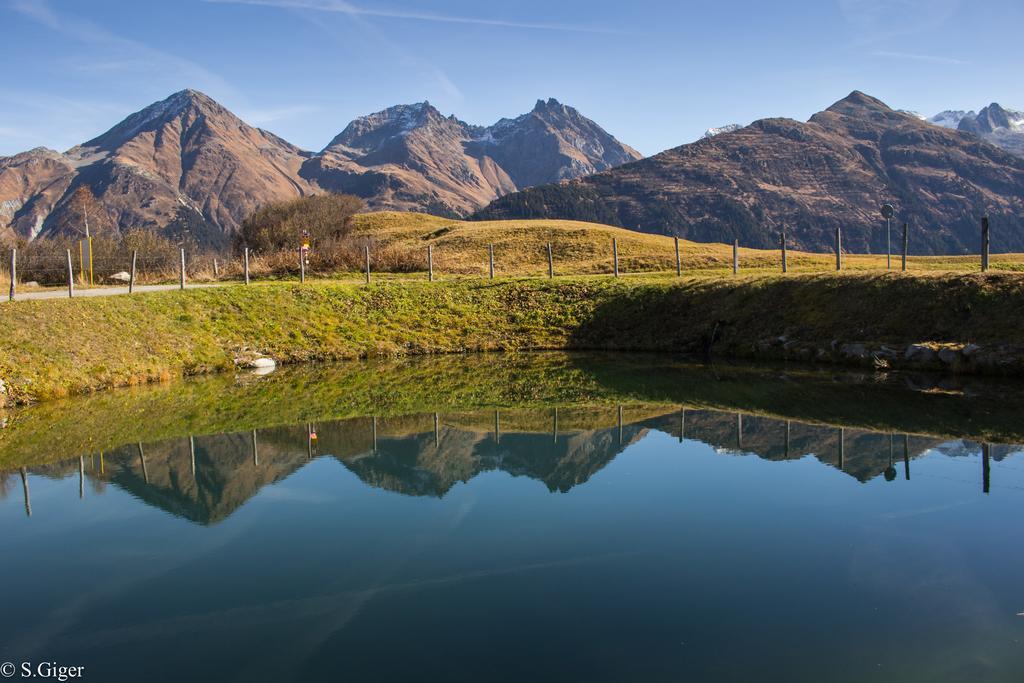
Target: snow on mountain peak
(950, 118)
(728, 128)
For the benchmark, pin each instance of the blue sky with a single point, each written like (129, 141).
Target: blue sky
(655, 74)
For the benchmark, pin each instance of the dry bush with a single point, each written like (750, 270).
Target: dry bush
(280, 226)
(45, 260)
(340, 255)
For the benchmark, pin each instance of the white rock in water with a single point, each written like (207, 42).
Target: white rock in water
(259, 363)
(120, 277)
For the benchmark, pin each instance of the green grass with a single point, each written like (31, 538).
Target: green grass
(54, 348)
(404, 392)
(520, 248)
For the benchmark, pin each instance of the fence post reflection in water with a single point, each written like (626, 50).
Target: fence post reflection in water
(437, 430)
(739, 431)
(788, 426)
(682, 424)
(81, 476)
(554, 427)
(142, 460)
(255, 451)
(620, 425)
(192, 454)
(24, 492)
(985, 449)
(906, 456)
(373, 429)
(497, 428)
(842, 438)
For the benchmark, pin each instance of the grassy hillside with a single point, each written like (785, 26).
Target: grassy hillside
(520, 248)
(399, 241)
(54, 348)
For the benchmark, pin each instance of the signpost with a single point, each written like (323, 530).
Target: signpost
(85, 260)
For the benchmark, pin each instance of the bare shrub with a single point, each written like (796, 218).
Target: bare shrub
(321, 218)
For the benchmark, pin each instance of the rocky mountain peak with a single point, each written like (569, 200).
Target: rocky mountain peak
(373, 130)
(950, 118)
(184, 104)
(550, 105)
(832, 172)
(858, 103)
(992, 119)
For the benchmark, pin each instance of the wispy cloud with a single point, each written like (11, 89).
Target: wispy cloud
(341, 7)
(421, 63)
(877, 20)
(127, 50)
(935, 59)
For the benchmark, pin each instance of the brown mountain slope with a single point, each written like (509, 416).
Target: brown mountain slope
(833, 171)
(411, 157)
(187, 152)
(188, 163)
(31, 184)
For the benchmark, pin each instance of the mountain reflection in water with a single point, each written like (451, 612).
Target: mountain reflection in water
(519, 517)
(205, 479)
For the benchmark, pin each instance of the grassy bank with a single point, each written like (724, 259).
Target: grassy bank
(404, 392)
(50, 349)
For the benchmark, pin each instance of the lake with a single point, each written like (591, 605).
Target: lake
(526, 517)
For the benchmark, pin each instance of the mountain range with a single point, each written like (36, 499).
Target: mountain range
(187, 164)
(832, 171)
(1000, 126)
(188, 161)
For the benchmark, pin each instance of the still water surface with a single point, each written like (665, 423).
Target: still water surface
(620, 537)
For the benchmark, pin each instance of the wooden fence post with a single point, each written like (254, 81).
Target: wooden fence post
(551, 262)
(490, 259)
(131, 275)
(367, 252)
(785, 264)
(985, 243)
(71, 277)
(216, 270)
(430, 263)
(905, 245)
(839, 248)
(888, 243)
(181, 280)
(302, 265)
(245, 256)
(679, 262)
(14, 272)
(615, 256)
(735, 256)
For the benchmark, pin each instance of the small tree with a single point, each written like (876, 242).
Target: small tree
(83, 214)
(321, 218)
